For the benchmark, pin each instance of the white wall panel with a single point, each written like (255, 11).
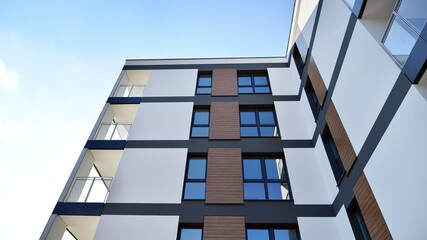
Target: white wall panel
(397, 170)
(295, 119)
(113, 227)
(307, 29)
(284, 81)
(149, 176)
(331, 228)
(171, 83)
(361, 91)
(330, 32)
(310, 175)
(162, 121)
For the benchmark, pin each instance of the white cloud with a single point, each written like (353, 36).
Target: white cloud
(8, 78)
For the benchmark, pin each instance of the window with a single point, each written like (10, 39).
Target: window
(253, 83)
(195, 179)
(190, 234)
(258, 123)
(333, 155)
(312, 98)
(357, 222)
(271, 234)
(200, 125)
(204, 84)
(265, 178)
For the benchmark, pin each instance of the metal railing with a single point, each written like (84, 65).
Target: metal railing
(89, 189)
(113, 131)
(130, 91)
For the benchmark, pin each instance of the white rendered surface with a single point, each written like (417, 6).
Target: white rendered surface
(57, 230)
(284, 81)
(149, 176)
(162, 121)
(171, 83)
(310, 175)
(295, 119)
(397, 169)
(360, 95)
(330, 32)
(113, 227)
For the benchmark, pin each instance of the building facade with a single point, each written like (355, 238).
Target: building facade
(327, 143)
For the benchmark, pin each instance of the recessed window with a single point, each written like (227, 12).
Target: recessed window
(195, 179)
(333, 155)
(190, 234)
(312, 98)
(253, 83)
(265, 179)
(271, 234)
(357, 222)
(204, 84)
(258, 123)
(200, 125)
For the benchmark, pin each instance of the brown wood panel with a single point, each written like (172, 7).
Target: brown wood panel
(370, 210)
(224, 180)
(224, 120)
(224, 228)
(224, 82)
(317, 81)
(344, 146)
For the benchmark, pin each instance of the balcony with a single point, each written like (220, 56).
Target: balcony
(113, 131)
(90, 189)
(130, 91)
(132, 83)
(67, 227)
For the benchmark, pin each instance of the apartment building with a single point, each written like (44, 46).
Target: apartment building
(327, 142)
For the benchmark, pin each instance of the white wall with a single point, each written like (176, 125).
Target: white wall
(295, 119)
(331, 228)
(284, 81)
(57, 229)
(171, 83)
(113, 227)
(149, 176)
(162, 121)
(310, 175)
(397, 170)
(332, 25)
(307, 29)
(361, 91)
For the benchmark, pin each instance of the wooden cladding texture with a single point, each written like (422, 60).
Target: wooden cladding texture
(345, 149)
(224, 120)
(224, 82)
(372, 215)
(317, 81)
(224, 228)
(224, 181)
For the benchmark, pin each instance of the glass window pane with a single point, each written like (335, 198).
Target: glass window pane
(252, 169)
(247, 118)
(414, 11)
(284, 234)
(274, 168)
(194, 190)
(197, 169)
(244, 81)
(266, 118)
(201, 117)
(191, 234)
(200, 131)
(260, 80)
(278, 191)
(350, 3)
(268, 131)
(246, 90)
(258, 234)
(262, 90)
(203, 91)
(254, 191)
(249, 131)
(205, 81)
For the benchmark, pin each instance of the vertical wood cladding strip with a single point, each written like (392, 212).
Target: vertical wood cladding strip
(341, 139)
(224, 181)
(224, 228)
(371, 212)
(317, 81)
(224, 82)
(224, 120)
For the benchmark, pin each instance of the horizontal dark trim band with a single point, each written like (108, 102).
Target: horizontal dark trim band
(88, 209)
(105, 144)
(209, 67)
(124, 100)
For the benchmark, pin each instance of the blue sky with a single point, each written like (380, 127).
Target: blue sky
(59, 60)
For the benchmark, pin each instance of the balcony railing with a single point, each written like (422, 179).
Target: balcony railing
(130, 91)
(113, 131)
(89, 189)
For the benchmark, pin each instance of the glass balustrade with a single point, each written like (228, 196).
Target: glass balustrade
(130, 91)
(113, 131)
(89, 189)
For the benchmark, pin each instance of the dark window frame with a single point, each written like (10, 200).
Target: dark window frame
(253, 86)
(202, 75)
(271, 231)
(357, 222)
(333, 155)
(193, 124)
(312, 98)
(187, 180)
(299, 62)
(257, 124)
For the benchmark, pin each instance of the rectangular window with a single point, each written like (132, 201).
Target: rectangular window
(333, 155)
(190, 234)
(258, 123)
(204, 84)
(357, 222)
(200, 125)
(271, 234)
(195, 179)
(253, 83)
(312, 98)
(265, 179)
